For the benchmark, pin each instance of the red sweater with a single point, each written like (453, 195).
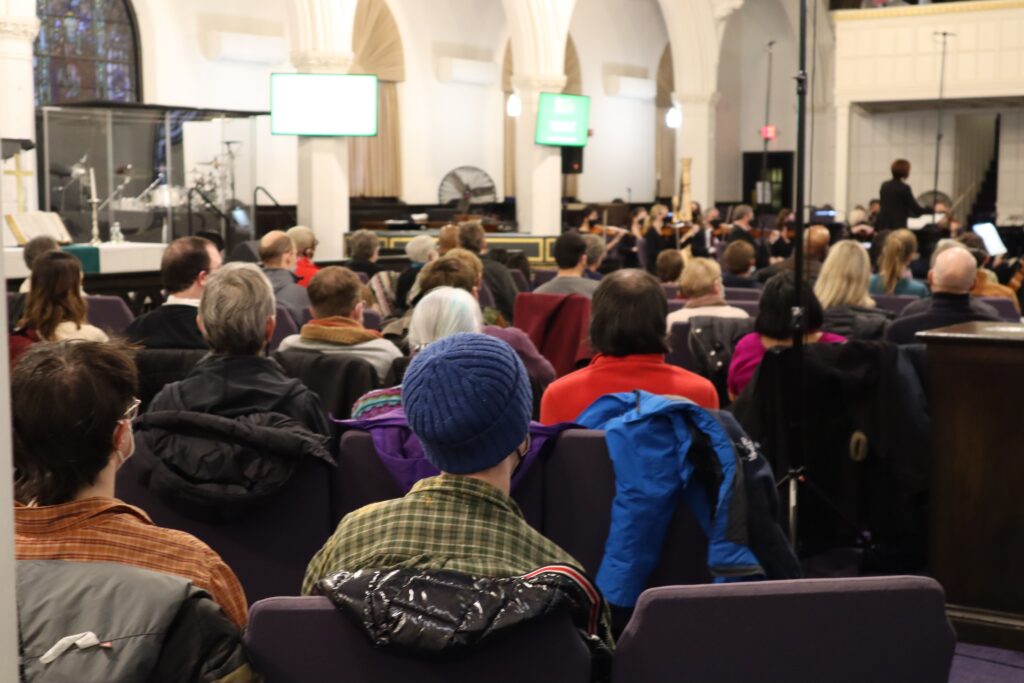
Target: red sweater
(305, 269)
(566, 398)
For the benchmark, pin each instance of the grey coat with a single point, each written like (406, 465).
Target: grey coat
(289, 294)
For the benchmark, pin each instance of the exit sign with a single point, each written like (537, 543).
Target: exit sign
(768, 132)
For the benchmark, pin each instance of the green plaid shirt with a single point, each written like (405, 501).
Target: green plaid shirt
(444, 522)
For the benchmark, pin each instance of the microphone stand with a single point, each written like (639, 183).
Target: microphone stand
(945, 35)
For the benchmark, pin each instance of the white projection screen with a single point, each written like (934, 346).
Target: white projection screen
(323, 105)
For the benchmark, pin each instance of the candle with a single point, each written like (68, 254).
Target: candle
(92, 183)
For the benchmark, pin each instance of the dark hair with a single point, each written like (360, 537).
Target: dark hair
(362, 245)
(628, 314)
(183, 260)
(738, 257)
(471, 236)
(569, 248)
(56, 294)
(36, 247)
(775, 313)
(334, 290)
(669, 266)
(900, 169)
(587, 210)
(70, 397)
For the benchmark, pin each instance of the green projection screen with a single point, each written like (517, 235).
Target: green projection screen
(562, 120)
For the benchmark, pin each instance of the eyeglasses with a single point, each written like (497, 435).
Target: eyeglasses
(132, 411)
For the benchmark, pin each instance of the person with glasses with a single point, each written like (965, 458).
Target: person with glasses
(467, 399)
(75, 402)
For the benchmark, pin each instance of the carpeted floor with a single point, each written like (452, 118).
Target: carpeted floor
(977, 664)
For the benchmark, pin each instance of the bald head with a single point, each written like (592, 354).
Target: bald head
(954, 272)
(277, 250)
(816, 242)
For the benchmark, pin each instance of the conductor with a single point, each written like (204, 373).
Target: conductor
(897, 199)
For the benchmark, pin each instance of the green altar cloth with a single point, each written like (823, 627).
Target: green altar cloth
(89, 256)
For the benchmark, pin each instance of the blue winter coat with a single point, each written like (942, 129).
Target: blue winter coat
(649, 439)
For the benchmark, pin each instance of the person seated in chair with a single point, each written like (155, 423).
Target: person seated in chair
(816, 243)
(33, 249)
(72, 432)
(467, 399)
(739, 262)
(278, 256)
(629, 335)
(701, 286)
(497, 276)
(305, 246)
(363, 251)
(337, 325)
(951, 279)
(186, 264)
(842, 290)
(236, 317)
(571, 257)
(669, 266)
(598, 261)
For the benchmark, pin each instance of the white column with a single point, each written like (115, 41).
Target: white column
(842, 152)
(538, 167)
(18, 29)
(696, 140)
(323, 170)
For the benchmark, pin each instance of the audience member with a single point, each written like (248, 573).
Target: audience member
(477, 435)
(899, 249)
(496, 275)
(305, 246)
(363, 251)
(740, 261)
(186, 264)
(337, 325)
(597, 251)
(951, 279)
(816, 242)
(571, 258)
(447, 238)
(72, 431)
(859, 225)
(742, 229)
(277, 253)
(629, 336)
(55, 309)
(701, 286)
(33, 249)
(669, 266)
(421, 250)
(923, 305)
(986, 283)
(774, 327)
(842, 290)
(236, 317)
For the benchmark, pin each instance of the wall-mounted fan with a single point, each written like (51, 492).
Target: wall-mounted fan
(465, 186)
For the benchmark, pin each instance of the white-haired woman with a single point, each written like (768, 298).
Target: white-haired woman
(842, 289)
(444, 311)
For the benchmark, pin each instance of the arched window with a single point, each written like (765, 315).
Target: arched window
(87, 50)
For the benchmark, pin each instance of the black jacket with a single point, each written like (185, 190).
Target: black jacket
(738, 281)
(171, 326)
(761, 255)
(654, 244)
(898, 204)
(946, 309)
(440, 611)
(924, 304)
(163, 628)
(216, 468)
(231, 386)
(857, 322)
(503, 287)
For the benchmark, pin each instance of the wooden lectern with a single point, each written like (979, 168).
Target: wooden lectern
(976, 507)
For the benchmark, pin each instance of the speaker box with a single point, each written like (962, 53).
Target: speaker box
(572, 160)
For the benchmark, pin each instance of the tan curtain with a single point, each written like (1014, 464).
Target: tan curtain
(375, 168)
(664, 137)
(509, 186)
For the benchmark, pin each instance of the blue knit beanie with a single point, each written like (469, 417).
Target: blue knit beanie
(467, 397)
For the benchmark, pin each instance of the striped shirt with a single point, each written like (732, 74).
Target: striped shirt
(107, 530)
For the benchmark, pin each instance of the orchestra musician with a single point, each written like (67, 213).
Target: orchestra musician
(743, 230)
(658, 235)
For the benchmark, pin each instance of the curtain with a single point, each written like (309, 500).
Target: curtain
(374, 162)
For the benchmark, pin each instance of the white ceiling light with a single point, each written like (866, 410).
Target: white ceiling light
(514, 105)
(674, 117)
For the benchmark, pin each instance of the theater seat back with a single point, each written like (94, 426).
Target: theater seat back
(160, 367)
(109, 313)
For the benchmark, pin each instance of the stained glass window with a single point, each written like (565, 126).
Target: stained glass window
(87, 50)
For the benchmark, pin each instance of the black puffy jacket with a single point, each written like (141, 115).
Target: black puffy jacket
(857, 322)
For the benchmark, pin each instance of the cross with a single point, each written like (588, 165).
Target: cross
(18, 175)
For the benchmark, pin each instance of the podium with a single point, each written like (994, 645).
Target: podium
(976, 528)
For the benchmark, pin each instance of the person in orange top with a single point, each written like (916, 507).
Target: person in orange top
(305, 247)
(72, 412)
(628, 332)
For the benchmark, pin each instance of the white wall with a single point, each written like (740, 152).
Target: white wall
(742, 76)
(618, 37)
(1010, 203)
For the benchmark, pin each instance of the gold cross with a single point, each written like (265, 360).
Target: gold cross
(18, 175)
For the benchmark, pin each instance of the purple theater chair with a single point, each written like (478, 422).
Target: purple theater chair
(285, 327)
(671, 290)
(742, 294)
(270, 548)
(889, 629)
(307, 639)
(109, 313)
(517, 276)
(679, 343)
(675, 304)
(371, 320)
(541, 276)
(893, 302)
(363, 277)
(486, 296)
(751, 307)
(1004, 306)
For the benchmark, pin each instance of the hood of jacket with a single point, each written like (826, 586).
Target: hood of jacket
(428, 612)
(212, 467)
